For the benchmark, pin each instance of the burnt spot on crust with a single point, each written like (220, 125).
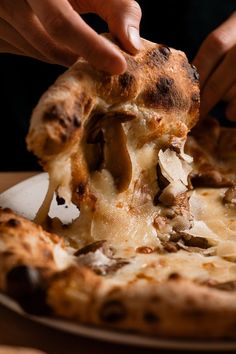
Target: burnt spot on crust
(191, 71)
(126, 81)
(165, 51)
(76, 121)
(25, 285)
(195, 73)
(67, 122)
(53, 113)
(165, 94)
(157, 56)
(164, 85)
(113, 311)
(151, 318)
(13, 223)
(195, 102)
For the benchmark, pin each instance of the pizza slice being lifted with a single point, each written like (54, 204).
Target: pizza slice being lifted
(154, 246)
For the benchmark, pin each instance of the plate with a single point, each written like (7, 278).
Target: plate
(25, 199)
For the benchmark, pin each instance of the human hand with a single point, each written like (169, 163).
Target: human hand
(53, 31)
(216, 64)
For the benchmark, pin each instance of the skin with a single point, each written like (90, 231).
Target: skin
(216, 63)
(53, 31)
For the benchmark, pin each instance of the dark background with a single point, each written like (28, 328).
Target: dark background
(180, 24)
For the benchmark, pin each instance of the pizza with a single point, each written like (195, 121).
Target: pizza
(154, 247)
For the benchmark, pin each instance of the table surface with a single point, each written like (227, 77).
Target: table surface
(18, 331)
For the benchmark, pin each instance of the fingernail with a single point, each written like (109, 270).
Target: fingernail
(134, 37)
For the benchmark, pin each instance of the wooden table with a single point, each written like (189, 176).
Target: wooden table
(18, 331)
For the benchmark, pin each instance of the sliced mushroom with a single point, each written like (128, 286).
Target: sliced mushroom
(230, 196)
(99, 257)
(116, 156)
(106, 147)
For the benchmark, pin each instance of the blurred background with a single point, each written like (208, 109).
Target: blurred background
(182, 24)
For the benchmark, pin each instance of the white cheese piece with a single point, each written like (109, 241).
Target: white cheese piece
(172, 168)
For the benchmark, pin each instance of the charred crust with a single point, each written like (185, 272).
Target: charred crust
(165, 94)
(25, 285)
(164, 85)
(151, 317)
(165, 51)
(191, 71)
(126, 81)
(76, 121)
(157, 56)
(67, 122)
(195, 74)
(13, 223)
(195, 97)
(113, 311)
(6, 210)
(53, 113)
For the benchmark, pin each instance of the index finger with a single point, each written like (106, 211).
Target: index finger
(215, 47)
(66, 27)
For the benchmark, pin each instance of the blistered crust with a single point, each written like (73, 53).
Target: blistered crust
(175, 308)
(22, 242)
(158, 78)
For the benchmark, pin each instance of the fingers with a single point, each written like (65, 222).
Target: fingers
(215, 47)
(219, 82)
(215, 62)
(66, 27)
(231, 98)
(123, 18)
(19, 15)
(8, 48)
(16, 41)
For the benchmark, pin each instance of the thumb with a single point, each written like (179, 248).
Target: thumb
(123, 19)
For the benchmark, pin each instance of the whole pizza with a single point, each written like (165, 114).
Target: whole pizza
(154, 247)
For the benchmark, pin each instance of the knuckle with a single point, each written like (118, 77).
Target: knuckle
(218, 41)
(133, 8)
(55, 24)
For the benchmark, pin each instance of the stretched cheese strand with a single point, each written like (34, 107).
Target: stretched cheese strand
(43, 211)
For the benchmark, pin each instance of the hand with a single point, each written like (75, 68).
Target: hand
(53, 31)
(216, 63)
